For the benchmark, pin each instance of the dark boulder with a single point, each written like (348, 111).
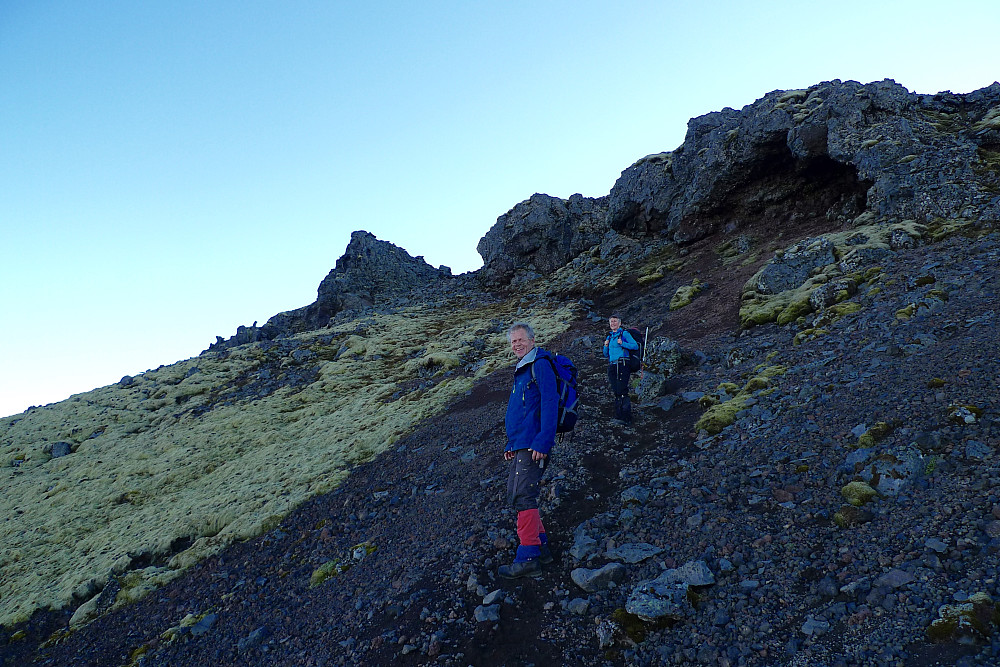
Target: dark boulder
(60, 449)
(540, 235)
(371, 270)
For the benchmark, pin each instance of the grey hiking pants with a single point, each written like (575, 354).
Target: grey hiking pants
(523, 480)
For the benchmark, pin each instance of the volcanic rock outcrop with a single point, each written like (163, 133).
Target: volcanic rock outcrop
(825, 154)
(539, 235)
(369, 272)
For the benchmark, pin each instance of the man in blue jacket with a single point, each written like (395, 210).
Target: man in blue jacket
(532, 411)
(617, 346)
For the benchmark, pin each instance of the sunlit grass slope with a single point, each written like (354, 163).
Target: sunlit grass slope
(166, 463)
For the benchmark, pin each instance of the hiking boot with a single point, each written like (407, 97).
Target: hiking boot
(527, 568)
(546, 556)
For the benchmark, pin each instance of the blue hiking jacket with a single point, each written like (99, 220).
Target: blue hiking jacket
(615, 352)
(533, 407)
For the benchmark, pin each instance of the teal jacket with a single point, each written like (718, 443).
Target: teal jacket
(615, 352)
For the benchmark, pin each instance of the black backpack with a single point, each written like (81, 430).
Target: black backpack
(635, 357)
(565, 373)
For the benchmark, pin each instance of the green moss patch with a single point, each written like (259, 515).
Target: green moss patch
(940, 229)
(720, 415)
(808, 334)
(160, 473)
(874, 434)
(635, 628)
(790, 305)
(964, 414)
(650, 278)
(849, 516)
(685, 294)
(976, 619)
(798, 306)
(991, 121)
(990, 160)
(858, 493)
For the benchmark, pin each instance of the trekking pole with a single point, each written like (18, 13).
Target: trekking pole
(643, 357)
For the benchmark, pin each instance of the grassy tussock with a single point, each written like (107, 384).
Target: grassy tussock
(155, 475)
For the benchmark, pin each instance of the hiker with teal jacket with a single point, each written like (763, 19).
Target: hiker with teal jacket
(617, 347)
(531, 420)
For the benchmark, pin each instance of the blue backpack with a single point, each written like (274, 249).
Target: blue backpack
(565, 373)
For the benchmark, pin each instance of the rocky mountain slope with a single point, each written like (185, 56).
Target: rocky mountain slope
(811, 479)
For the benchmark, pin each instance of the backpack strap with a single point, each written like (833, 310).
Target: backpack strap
(544, 355)
(562, 390)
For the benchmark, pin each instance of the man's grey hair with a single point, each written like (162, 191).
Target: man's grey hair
(521, 325)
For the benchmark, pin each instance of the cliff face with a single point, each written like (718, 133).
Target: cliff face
(814, 464)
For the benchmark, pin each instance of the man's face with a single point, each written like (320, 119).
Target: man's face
(520, 344)
(614, 322)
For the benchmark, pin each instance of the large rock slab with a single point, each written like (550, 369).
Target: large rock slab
(666, 596)
(791, 269)
(634, 552)
(893, 470)
(539, 236)
(599, 579)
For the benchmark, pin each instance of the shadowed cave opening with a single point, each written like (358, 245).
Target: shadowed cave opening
(781, 193)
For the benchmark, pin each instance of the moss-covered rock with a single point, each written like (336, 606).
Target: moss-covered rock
(858, 493)
(634, 627)
(877, 432)
(650, 278)
(971, 621)
(940, 228)
(799, 306)
(721, 415)
(839, 310)
(686, 294)
(808, 334)
(964, 414)
(730, 388)
(838, 263)
(330, 568)
(849, 516)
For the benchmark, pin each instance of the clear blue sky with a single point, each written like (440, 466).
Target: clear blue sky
(172, 169)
